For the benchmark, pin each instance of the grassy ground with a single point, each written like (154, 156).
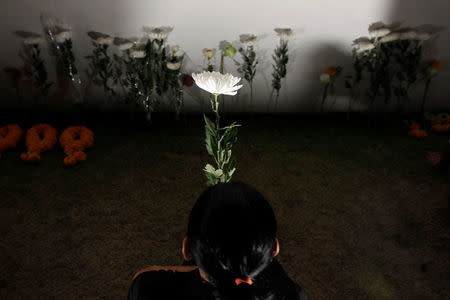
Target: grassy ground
(361, 214)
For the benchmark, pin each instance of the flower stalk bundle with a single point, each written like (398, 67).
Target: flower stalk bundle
(281, 59)
(391, 59)
(101, 64)
(250, 61)
(219, 141)
(61, 39)
(31, 55)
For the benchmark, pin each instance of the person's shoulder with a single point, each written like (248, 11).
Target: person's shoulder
(300, 293)
(154, 281)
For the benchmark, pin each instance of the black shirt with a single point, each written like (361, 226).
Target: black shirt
(189, 285)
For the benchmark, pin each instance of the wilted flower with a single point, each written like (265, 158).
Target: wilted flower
(363, 46)
(379, 32)
(62, 36)
(393, 36)
(217, 83)
(157, 33)
(248, 40)
(209, 53)
(325, 78)
(230, 51)
(284, 33)
(173, 65)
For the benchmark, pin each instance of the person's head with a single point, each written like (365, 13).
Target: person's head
(232, 234)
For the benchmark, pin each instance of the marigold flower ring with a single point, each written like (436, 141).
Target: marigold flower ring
(39, 138)
(74, 140)
(10, 135)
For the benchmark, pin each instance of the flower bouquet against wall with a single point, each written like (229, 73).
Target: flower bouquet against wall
(391, 59)
(175, 78)
(101, 67)
(60, 37)
(219, 141)
(34, 63)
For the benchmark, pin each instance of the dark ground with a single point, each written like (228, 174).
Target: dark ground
(361, 213)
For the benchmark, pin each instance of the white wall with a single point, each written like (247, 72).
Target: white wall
(324, 31)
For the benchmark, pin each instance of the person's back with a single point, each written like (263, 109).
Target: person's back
(231, 244)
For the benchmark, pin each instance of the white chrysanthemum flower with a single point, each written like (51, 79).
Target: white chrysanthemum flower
(217, 83)
(126, 46)
(379, 32)
(173, 65)
(157, 33)
(408, 35)
(62, 36)
(138, 51)
(33, 40)
(422, 36)
(249, 40)
(324, 78)
(363, 46)
(391, 37)
(106, 40)
(284, 33)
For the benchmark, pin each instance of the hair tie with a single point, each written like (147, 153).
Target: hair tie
(239, 281)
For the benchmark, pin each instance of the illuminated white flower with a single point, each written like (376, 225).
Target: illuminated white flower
(62, 36)
(217, 83)
(248, 40)
(284, 33)
(379, 32)
(324, 78)
(34, 40)
(363, 46)
(157, 33)
(107, 40)
(173, 65)
(391, 37)
(138, 51)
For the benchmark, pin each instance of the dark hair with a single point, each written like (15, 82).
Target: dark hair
(231, 234)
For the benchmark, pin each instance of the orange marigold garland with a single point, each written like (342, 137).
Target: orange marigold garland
(74, 140)
(10, 135)
(39, 138)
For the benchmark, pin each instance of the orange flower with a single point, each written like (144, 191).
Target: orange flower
(437, 64)
(331, 71)
(74, 140)
(436, 121)
(414, 126)
(39, 138)
(10, 135)
(417, 133)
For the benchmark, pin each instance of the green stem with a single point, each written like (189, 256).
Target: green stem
(251, 92)
(324, 96)
(427, 85)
